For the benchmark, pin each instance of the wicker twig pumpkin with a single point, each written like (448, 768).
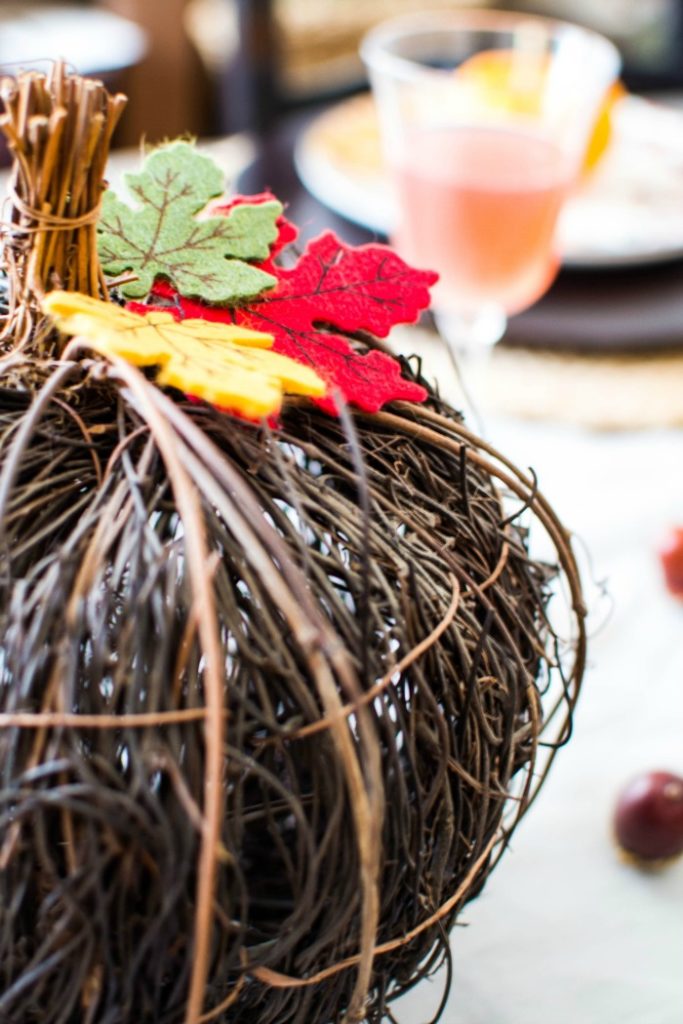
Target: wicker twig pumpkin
(272, 697)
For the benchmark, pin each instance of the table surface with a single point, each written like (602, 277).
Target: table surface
(565, 931)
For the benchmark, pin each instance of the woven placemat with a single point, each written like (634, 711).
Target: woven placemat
(602, 392)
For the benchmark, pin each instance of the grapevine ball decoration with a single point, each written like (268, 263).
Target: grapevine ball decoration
(279, 674)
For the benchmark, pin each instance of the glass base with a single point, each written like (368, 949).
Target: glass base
(472, 332)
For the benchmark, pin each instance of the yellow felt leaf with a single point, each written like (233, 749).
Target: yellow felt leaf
(229, 366)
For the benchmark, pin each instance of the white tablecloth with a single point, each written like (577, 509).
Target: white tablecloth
(565, 932)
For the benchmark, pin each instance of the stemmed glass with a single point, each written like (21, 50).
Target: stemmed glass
(485, 117)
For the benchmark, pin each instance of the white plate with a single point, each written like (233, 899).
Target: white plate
(92, 41)
(629, 212)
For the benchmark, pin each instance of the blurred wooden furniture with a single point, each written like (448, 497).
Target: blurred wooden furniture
(269, 56)
(168, 90)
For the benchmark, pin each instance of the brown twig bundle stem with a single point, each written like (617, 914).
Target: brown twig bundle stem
(58, 127)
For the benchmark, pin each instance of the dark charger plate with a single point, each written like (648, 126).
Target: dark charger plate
(639, 309)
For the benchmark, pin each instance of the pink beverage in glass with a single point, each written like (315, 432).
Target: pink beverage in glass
(480, 205)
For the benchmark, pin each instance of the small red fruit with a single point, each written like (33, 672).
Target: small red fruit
(649, 817)
(671, 558)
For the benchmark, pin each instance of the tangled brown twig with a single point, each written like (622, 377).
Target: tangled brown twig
(271, 700)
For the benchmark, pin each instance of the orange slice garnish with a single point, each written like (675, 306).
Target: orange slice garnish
(513, 80)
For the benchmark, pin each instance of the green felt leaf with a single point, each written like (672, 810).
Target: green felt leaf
(204, 257)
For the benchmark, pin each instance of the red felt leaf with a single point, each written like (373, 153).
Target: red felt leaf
(333, 289)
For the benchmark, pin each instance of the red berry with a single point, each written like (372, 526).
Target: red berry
(671, 558)
(649, 816)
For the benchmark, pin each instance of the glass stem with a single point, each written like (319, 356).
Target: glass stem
(469, 340)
